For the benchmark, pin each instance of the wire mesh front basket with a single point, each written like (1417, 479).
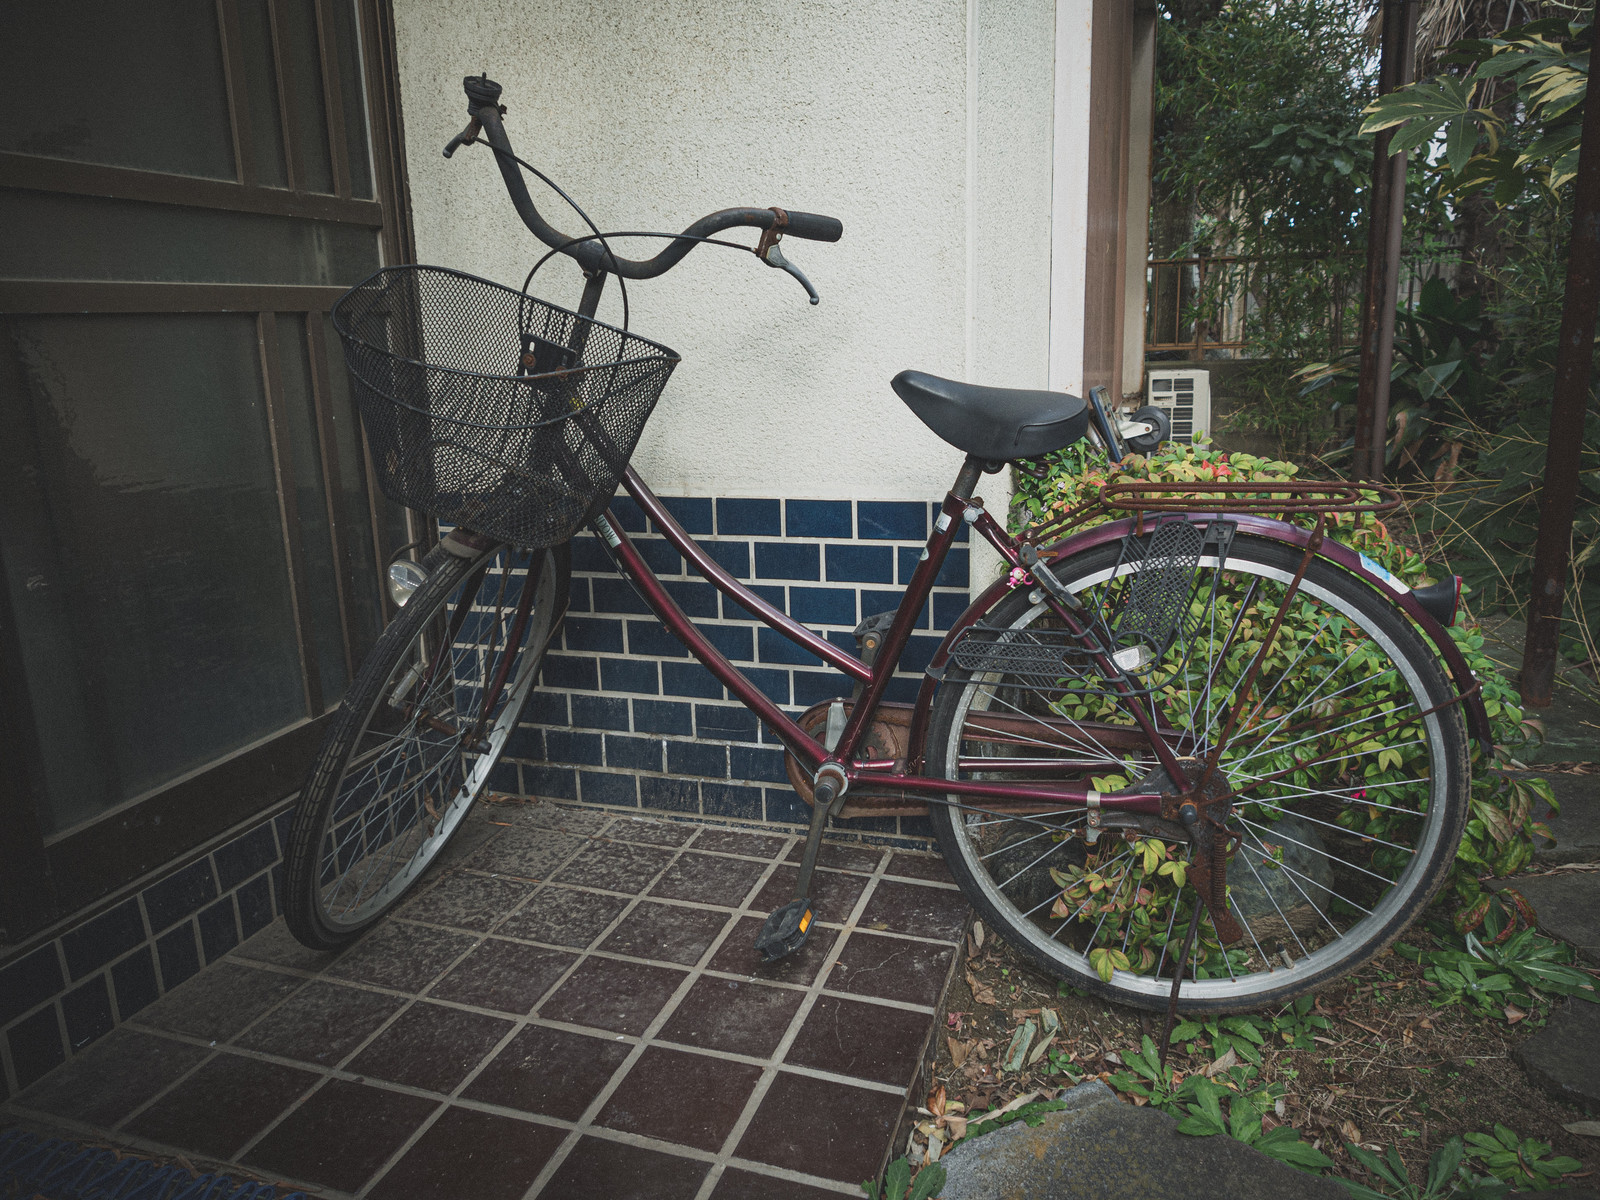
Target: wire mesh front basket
(491, 409)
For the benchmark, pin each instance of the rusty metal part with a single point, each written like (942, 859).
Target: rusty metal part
(772, 234)
(1296, 496)
(886, 739)
(1291, 498)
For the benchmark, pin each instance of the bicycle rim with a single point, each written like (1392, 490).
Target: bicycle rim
(1352, 793)
(422, 730)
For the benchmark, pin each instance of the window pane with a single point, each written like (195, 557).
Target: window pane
(261, 91)
(351, 87)
(302, 75)
(150, 91)
(355, 517)
(143, 550)
(311, 503)
(87, 237)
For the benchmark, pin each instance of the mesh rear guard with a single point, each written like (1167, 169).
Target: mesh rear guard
(1158, 598)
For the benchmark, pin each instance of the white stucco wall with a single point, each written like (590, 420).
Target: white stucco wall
(926, 126)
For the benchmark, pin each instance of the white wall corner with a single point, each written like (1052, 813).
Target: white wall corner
(1070, 192)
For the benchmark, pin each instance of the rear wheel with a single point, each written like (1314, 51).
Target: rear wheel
(1351, 799)
(417, 735)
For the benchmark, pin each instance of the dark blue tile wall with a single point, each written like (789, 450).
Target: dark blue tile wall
(60, 997)
(673, 740)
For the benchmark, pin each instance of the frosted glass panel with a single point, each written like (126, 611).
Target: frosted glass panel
(86, 237)
(106, 81)
(143, 550)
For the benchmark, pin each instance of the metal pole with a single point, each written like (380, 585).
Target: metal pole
(1378, 204)
(1569, 400)
(1395, 215)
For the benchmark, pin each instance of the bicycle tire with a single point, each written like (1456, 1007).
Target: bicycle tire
(1364, 868)
(364, 832)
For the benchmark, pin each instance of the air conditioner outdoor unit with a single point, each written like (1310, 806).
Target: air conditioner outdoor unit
(1186, 396)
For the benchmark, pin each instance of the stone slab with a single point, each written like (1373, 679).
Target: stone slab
(1571, 723)
(1577, 825)
(1564, 1057)
(1567, 907)
(1099, 1147)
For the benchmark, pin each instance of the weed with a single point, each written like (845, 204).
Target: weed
(898, 1185)
(1521, 1162)
(1243, 1122)
(1491, 976)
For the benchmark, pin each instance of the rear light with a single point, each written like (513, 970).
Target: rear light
(1440, 600)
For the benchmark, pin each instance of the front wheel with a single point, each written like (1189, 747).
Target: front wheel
(417, 735)
(1349, 764)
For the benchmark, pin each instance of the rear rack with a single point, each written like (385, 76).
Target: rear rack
(1288, 499)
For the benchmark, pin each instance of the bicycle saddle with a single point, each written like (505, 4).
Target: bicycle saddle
(995, 424)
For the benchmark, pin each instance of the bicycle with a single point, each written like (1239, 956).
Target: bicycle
(1195, 709)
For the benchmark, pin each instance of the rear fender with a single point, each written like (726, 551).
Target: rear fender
(1266, 528)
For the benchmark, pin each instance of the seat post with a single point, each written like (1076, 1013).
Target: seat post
(968, 479)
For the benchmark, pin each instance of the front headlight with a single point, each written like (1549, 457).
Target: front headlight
(405, 577)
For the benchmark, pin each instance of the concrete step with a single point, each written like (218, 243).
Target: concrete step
(1099, 1147)
(1567, 907)
(1576, 826)
(1564, 1056)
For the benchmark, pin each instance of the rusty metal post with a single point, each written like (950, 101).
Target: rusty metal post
(1569, 400)
(1379, 205)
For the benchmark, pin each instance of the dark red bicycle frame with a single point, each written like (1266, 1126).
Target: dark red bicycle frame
(875, 678)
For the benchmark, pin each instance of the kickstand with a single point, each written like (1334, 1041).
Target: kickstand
(784, 931)
(1177, 980)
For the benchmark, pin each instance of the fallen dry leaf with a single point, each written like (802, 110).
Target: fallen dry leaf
(1514, 1014)
(1350, 1132)
(1227, 1061)
(957, 1127)
(958, 1052)
(936, 1100)
(1584, 1128)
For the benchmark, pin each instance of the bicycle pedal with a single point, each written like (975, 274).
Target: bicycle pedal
(784, 930)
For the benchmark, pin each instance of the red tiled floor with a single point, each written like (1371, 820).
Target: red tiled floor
(622, 997)
(928, 912)
(598, 1168)
(431, 1047)
(553, 1072)
(891, 968)
(321, 1023)
(563, 917)
(738, 955)
(679, 1097)
(341, 1135)
(709, 879)
(667, 932)
(733, 1015)
(737, 1184)
(116, 1075)
(433, 1003)
(467, 1155)
(503, 975)
(865, 1041)
(822, 1128)
(222, 1105)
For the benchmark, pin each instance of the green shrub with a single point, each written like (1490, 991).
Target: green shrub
(1501, 826)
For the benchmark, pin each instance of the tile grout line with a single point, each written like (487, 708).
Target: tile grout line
(586, 1119)
(519, 1024)
(781, 1052)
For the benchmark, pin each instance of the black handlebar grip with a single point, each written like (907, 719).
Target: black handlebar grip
(814, 227)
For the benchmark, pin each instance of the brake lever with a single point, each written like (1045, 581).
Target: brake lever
(774, 258)
(466, 137)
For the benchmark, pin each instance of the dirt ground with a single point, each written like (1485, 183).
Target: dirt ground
(1390, 1069)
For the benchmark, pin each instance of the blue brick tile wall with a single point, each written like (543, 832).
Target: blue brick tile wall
(627, 718)
(62, 996)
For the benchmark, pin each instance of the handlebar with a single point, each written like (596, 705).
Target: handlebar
(483, 106)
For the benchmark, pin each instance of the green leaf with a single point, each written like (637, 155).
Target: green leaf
(896, 1179)
(929, 1182)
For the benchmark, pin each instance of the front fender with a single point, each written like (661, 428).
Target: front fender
(1269, 529)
